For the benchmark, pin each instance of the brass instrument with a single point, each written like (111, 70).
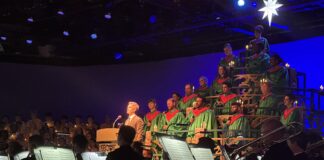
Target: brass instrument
(296, 127)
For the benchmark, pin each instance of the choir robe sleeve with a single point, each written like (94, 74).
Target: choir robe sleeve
(182, 106)
(179, 118)
(207, 118)
(259, 65)
(279, 79)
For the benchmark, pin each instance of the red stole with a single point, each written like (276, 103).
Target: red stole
(235, 117)
(221, 80)
(288, 111)
(224, 99)
(150, 116)
(203, 88)
(187, 98)
(274, 69)
(198, 111)
(169, 115)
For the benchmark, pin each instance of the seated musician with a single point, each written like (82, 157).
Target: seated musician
(277, 74)
(238, 124)
(201, 118)
(135, 121)
(125, 138)
(203, 89)
(152, 119)
(173, 119)
(33, 142)
(291, 112)
(226, 99)
(79, 145)
(188, 99)
(222, 76)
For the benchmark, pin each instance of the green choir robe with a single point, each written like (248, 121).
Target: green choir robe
(268, 105)
(202, 118)
(186, 102)
(170, 119)
(238, 125)
(203, 91)
(217, 85)
(227, 100)
(259, 65)
(278, 75)
(154, 118)
(226, 60)
(291, 115)
(263, 40)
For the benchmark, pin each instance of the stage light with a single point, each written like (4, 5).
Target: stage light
(108, 16)
(118, 55)
(254, 4)
(152, 19)
(66, 33)
(3, 38)
(241, 3)
(30, 19)
(60, 12)
(29, 41)
(270, 9)
(93, 36)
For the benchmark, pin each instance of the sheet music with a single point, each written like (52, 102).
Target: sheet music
(202, 153)
(51, 153)
(4, 158)
(21, 155)
(92, 156)
(177, 149)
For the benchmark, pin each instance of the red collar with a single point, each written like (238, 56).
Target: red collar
(198, 111)
(235, 117)
(169, 115)
(187, 98)
(151, 115)
(221, 80)
(266, 96)
(203, 88)
(225, 98)
(288, 111)
(275, 69)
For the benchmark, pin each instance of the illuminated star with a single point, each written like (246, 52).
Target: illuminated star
(270, 8)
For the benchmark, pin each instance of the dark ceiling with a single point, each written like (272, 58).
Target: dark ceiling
(143, 30)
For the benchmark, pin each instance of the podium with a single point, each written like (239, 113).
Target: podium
(107, 139)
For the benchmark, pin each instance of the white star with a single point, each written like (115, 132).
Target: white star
(270, 8)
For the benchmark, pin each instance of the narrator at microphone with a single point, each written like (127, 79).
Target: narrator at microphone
(118, 118)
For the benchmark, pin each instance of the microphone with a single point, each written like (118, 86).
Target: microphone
(118, 118)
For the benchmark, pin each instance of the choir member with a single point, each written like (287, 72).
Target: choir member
(291, 112)
(226, 99)
(203, 89)
(229, 57)
(176, 97)
(188, 99)
(258, 38)
(268, 102)
(173, 119)
(135, 121)
(201, 117)
(222, 76)
(277, 74)
(152, 119)
(237, 124)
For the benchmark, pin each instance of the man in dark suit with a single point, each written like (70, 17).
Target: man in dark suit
(125, 138)
(135, 121)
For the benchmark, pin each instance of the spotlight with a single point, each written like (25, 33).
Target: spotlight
(241, 3)
(93, 36)
(152, 19)
(66, 33)
(254, 4)
(118, 55)
(3, 38)
(30, 19)
(60, 12)
(29, 41)
(108, 16)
